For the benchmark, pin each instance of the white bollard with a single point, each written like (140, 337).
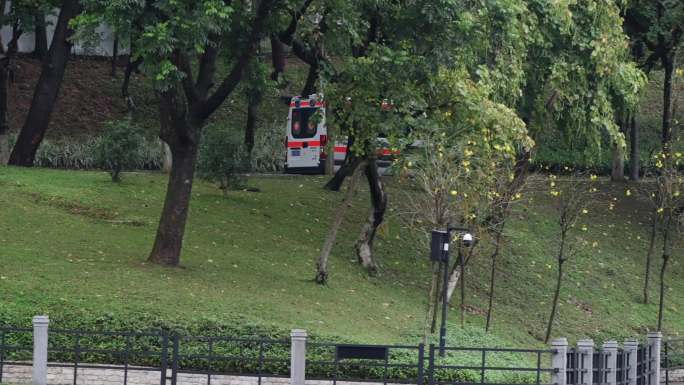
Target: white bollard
(611, 350)
(40, 349)
(298, 357)
(560, 361)
(632, 348)
(586, 349)
(655, 340)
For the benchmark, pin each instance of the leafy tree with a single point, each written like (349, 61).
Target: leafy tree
(223, 158)
(120, 147)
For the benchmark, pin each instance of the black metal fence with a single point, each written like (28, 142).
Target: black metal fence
(672, 358)
(470, 366)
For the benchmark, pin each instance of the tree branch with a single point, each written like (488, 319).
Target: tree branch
(207, 68)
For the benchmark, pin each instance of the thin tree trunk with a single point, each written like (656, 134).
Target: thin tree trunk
(663, 270)
(47, 89)
(4, 129)
(338, 216)
(431, 302)
(649, 256)
(277, 57)
(556, 296)
(351, 163)
(618, 170)
(378, 195)
(668, 66)
(252, 111)
(131, 66)
(115, 54)
(311, 78)
(40, 33)
(492, 277)
(555, 303)
(635, 156)
(436, 297)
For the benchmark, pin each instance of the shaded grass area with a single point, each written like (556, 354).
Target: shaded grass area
(73, 246)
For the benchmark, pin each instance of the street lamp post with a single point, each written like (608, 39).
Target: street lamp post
(440, 253)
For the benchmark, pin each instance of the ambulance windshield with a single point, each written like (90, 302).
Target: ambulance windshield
(303, 123)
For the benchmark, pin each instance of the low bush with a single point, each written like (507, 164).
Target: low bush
(223, 158)
(119, 148)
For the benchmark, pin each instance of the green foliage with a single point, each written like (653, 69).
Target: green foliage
(223, 158)
(119, 148)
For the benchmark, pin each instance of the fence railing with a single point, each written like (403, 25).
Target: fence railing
(672, 360)
(81, 357)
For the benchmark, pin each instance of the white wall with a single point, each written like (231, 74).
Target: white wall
(26, 42)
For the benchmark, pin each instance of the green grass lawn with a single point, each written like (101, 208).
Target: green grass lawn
(73, 246)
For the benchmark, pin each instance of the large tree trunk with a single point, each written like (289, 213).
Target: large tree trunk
(364, 245)
(183, 139)
(338, 216)
(277, 57)
(635, 156)
(311, 78)
(4, 129)
(47, 89)
(40, 33)
(649, 256)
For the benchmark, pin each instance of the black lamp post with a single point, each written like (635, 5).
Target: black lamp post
(439, 248)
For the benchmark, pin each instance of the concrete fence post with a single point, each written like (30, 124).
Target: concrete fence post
(631, 348)
(40, 349)
(655, 340)
(298, 357)
(559, 362)
(610, 348)
(586, 349)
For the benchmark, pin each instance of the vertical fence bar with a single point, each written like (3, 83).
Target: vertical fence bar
(127, 349)
(261, 360)
(2, 352)
(174, 359)
(164, 357)
(559, 361)
(210, 349)
(77, 355)
(40, 349)
(539, 355)
(611, 351)
(482, 368)
(297, 357)
(421, 365)
(431, 365)
(654, 341)
(631, 346)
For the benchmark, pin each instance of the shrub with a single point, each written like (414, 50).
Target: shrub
(268, 155)
(223, 158)
(119, 148)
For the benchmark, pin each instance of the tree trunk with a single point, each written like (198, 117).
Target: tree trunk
(131, 66)
(668, 67)
(492, 277)
(338, 216)
(311, 78)
(47, 89)
(252, 111)
(554, 307)
(351, 163)
(40, 34)
(4, 129)
(649, 256)
(635, 156)
(661, 304)
(432, 294)
(183, 140)
(618, 170)
(277, 57)
(378, 195)
(115, 54)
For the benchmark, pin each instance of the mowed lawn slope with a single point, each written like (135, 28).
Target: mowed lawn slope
(73, 245)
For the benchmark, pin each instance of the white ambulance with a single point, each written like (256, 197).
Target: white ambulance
(307, 138)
